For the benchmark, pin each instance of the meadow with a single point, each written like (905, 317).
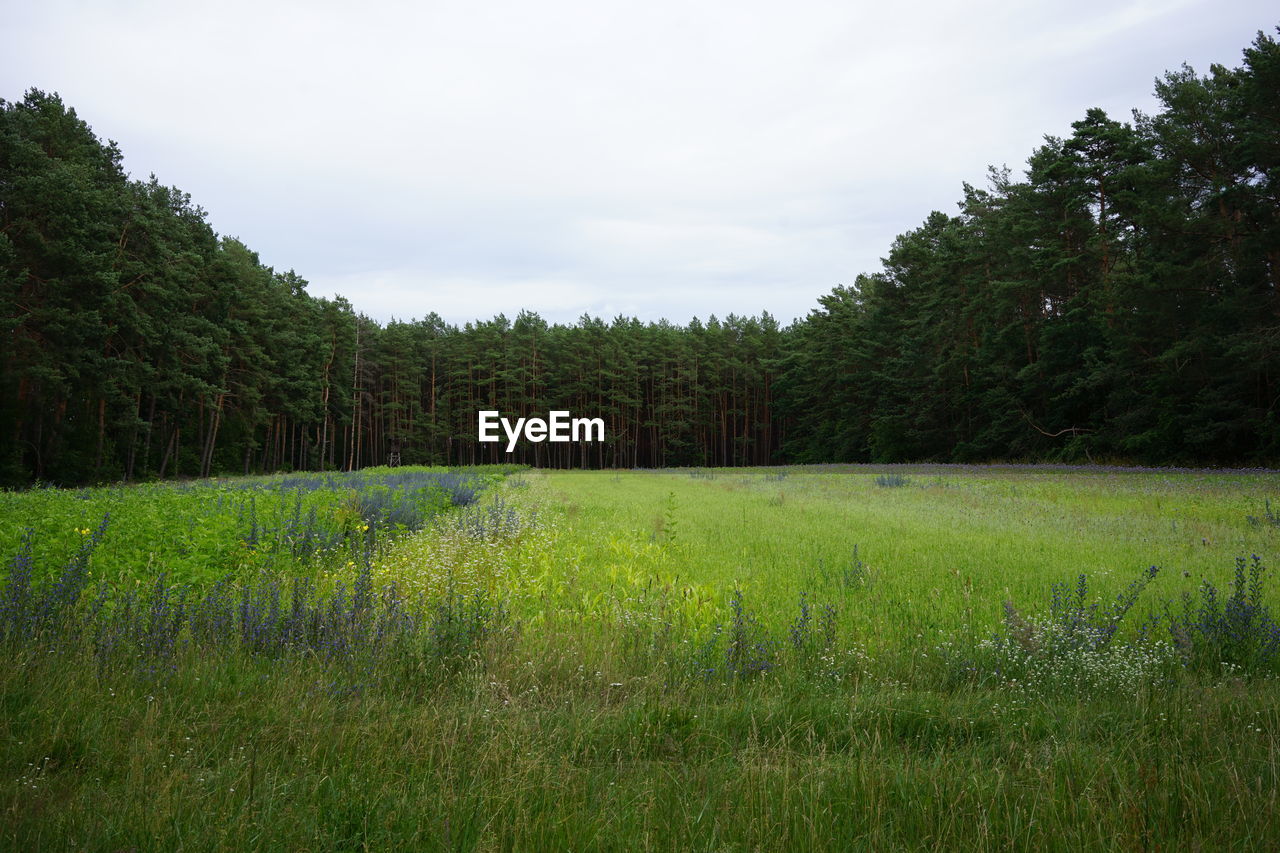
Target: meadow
(818, 657)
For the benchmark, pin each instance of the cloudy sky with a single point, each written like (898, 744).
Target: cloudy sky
(653, 159)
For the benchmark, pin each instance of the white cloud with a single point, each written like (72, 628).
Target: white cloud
(657, 158)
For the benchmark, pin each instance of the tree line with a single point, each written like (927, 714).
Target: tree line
(1119, 301)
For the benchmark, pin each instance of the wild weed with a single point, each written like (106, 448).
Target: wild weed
(1237, 632)
(1089, 625)
(364, 628)
(1268, 517)
(496, 521)
(30, 613)
(457, 624)
(850, 575)
(1070, 650)
(751, 651)
(1074, 646)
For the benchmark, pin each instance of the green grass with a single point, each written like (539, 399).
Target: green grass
(940, 553)
(586, 719)
(200, 530)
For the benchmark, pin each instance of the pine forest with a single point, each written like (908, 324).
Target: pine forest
(1116, 300)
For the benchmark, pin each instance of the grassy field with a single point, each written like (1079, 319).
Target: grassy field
(804, 658)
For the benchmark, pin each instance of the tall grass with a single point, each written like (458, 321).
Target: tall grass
(538, 670)
(200, 531)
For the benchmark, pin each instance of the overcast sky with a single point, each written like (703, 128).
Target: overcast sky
(651, 159)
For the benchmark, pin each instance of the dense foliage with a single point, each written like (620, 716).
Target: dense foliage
(1122, 300)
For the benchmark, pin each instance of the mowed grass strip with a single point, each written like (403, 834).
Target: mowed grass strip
(938, 554)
